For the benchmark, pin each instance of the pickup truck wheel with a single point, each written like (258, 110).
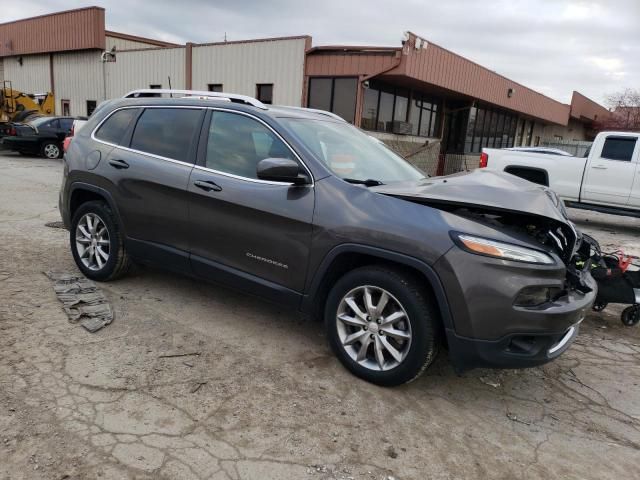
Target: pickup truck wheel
(97, 244)
(51, 150)
(381, 325)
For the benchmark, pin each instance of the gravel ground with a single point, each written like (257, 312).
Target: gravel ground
(257, 394)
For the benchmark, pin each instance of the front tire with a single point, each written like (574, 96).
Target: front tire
(51, 150)
(382, 325)
(96, 242)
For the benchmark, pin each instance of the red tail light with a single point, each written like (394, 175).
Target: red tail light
(12, 132)
(484, 160)
(66, 143)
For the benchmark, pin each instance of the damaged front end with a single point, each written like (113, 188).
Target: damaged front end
(519, 293)
(511, 205)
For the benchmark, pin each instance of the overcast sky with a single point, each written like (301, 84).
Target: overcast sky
(553, 46)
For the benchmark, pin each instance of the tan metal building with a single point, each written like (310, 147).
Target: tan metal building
(71, 54)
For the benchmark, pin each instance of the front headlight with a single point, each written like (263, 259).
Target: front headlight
(506, 251)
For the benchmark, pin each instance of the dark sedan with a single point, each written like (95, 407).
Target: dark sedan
(40, 136)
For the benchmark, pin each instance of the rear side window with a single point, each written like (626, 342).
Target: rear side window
(168, 132)
(237, 143)
(618, 148)
(114, 128)
(66, 123)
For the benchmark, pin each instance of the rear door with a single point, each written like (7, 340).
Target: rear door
(249, 233)
(610, 174)
(149, 170)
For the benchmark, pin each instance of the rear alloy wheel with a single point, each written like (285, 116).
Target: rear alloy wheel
(51, 150)
(92, 241)
(96, 242)
(381, 325)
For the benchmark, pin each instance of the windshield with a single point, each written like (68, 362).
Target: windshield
(350, 153)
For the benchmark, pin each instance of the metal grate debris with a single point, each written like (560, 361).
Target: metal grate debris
(82, 300)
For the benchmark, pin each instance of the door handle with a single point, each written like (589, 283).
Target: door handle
(599, 167)
(207, 185)
(116, 163)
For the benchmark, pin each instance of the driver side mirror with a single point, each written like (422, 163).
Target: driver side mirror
(282, 170)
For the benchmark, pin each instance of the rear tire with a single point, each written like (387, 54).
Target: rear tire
(96, 242)
(51, 150)
(394, 353)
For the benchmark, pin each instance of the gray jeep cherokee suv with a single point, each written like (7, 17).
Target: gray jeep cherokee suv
(299, 207)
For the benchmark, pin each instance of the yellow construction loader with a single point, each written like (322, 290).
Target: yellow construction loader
(16, 106)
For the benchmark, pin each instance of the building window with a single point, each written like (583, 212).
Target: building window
(334, 94)
(214, 87)
(520, 132)
(264, 92)
(91, 106)
(398, 110)
(66, 107)
(489, 128)
(529, 137)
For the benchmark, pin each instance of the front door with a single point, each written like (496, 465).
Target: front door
(249, 233)
(610, 172)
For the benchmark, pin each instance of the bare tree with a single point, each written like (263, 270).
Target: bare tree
(625, 111)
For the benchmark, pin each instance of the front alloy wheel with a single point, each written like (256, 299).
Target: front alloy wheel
(92, 241)
(382, 324)
(373, 328)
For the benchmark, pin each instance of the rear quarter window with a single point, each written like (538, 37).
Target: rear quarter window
(114, 128)
(167, 132)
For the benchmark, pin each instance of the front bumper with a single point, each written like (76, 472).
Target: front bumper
(488, 330)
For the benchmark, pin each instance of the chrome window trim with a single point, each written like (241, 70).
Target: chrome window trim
(195, 165)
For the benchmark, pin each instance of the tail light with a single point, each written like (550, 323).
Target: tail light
(66, 143)
(484, 160)
(12, 131)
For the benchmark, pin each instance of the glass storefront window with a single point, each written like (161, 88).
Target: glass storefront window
(370, 109)
(337, 95)
(320, 93)
(385, 113)
(344, 98)
(385, 104)
(468, 142)
(414, 114)
(402, 104)
(489, 129)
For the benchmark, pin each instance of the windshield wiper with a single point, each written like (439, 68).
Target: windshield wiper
(369, 182)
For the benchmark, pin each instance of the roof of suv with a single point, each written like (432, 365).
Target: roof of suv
(208, 99)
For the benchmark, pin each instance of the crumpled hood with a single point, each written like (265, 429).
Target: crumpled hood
(483, 188)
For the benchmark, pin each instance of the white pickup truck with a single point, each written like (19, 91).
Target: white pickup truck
(607, 180)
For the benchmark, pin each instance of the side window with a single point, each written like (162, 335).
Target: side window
(66, 123)
(618, 148)
(52, 124)
(114, 128)
(168, 132)
(237, 143)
